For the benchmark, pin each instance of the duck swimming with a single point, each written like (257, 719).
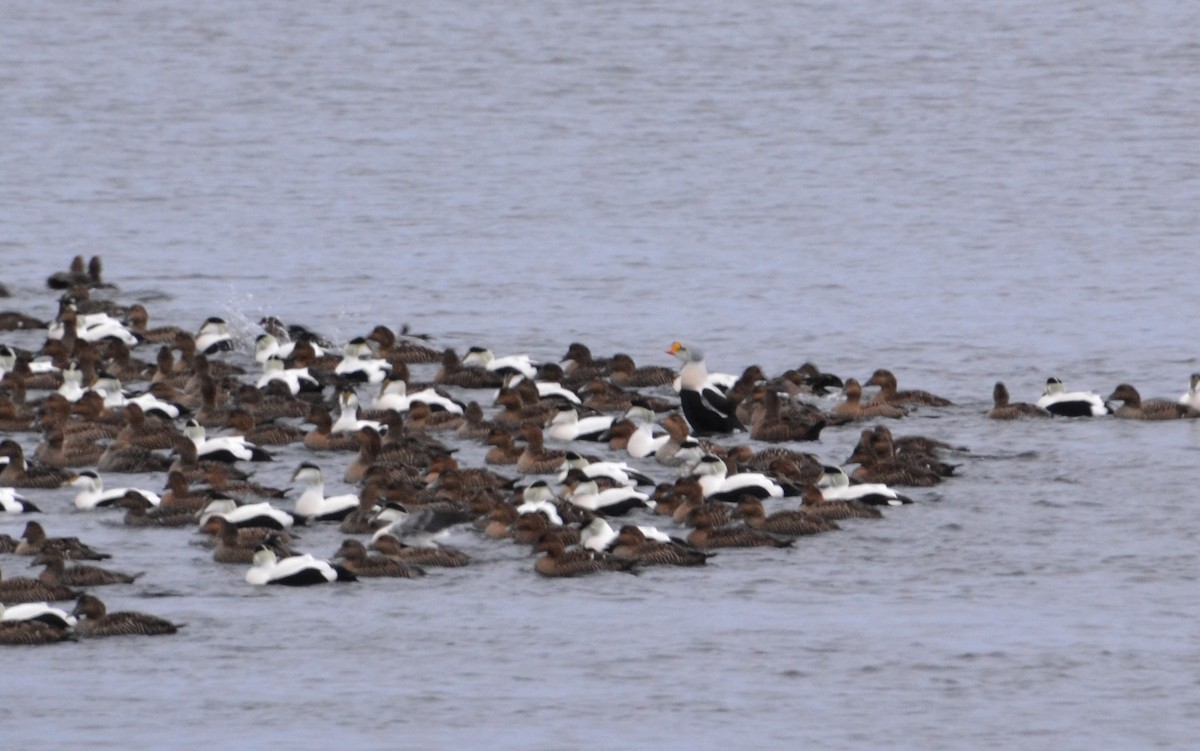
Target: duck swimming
(293, 571)
(1002, 409)
(312, 504)
(1058, 401)
(705, 407)
(93, 495)
(1133, 407)
(888, 393)
(95, 621)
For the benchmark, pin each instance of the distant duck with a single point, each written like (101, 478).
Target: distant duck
(598, 535)
(243, 423)
(95, 620)
(296, 379)
(261, 514)
(236, 545)
(1192, 396)
(402, 349)
(392, 547)
(293, 571)
(1002, 409)
(72, 382)
(139, 323)
(627, 374)
(633, 543)
(538, 498)
(359, 363)
(75, 274)
(228, 449)
(616, 501)
(1133, 407)
(808, 379)
(834, 485)
(57, 573)
(889, 394)
(706, 534)
(312, 503)
(267, 346)
(879, 462)
(23, 590)
(852, 407)
(35, 541)
(814, 500)
(559, 562)
(619, 472)
(214, 336)
(793, 523)
(1058, 401)
(771, 422)
(579, 362)
(17, 473)
(139, 512)
(92, 327)
(536, 459)
(322, 437)
(359, 561)
(718, 485)
(454, 372)
(643, 442)
(483, 357)
(93, 495)
(348, 420)
(393, 394)
(705, 407)
(567, 425)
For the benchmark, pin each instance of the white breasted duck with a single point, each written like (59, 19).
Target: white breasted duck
(393, 394)
(12, 502)
(1058, 401)
(293, 571)
(229, 448)
(835, 485)
(1192, 396)
(296, 379)
(718, 485)
(567, 425)
(313, 505)
(38, 611)
(359, 363)
(705, 407)
(483, 357)
(619, 472)
(611, 502)
(214, 336)
(93, 495)
(260, 514)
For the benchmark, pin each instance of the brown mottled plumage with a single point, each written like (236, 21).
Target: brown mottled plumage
(95, 620)
(1134, 408)
(889, 394)
(78, 575)
(1002, 409)
(357, 559)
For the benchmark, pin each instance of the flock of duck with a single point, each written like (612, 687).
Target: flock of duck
(196, 412)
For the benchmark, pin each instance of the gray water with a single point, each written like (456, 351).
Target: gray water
(961, 192)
